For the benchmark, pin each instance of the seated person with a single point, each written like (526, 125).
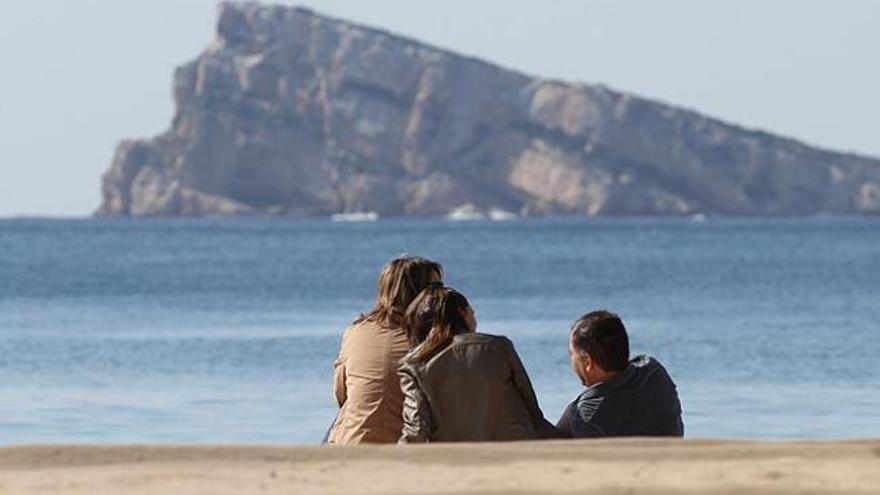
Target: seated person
(462, 386)
(365, 381)
(624, 397)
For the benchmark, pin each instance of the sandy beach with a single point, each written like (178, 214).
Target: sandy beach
(631, 466)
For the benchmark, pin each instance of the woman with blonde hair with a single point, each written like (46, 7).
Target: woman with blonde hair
(366, 384)
(462, 386)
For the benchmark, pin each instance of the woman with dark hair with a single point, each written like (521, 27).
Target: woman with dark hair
(365, 381)
(461, 386)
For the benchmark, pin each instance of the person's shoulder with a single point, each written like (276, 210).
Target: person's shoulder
(355, 328)
(359, 332)
(587, 407)
(360, 324)
(646, 362)
(485, 339)
(368, 327)
(484, 342)
(409, 365)
(649, 368)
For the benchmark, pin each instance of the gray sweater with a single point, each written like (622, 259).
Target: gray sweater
(640, 401)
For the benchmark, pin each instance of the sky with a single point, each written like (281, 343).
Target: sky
(80, 75)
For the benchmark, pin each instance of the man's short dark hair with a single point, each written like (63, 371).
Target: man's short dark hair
(602, 335)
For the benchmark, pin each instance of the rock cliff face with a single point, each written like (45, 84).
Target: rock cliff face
(288, 112)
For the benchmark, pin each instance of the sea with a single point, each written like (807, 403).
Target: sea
(225, 330)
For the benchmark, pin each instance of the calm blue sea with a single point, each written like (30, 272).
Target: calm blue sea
(224, 330)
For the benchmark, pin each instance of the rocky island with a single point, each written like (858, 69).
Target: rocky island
(289, 112)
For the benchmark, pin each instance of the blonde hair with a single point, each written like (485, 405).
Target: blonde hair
(400, 282)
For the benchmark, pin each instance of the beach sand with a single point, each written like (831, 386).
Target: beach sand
(631, 466)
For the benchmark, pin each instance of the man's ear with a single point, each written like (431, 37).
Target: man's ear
(586, 362)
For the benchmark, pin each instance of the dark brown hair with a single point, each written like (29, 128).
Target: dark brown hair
(433, 319)
(602, 335)
(399, 283)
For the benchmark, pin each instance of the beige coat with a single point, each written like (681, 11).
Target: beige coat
(367, 386)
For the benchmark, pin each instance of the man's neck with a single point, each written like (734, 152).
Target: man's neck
(602, 377)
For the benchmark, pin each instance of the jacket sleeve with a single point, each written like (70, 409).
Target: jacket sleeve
(582, 423)
(524, 385)
(564, 424)
(416, 413)
(671, 422)
(339, 389)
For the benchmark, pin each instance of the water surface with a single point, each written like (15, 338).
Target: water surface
(224, 330)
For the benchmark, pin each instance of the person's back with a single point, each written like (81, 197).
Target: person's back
(623, 397)
(460, 386)
(368, 387)
(475, 389)
(640, 401)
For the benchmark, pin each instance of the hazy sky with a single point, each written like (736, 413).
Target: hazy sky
(79, 75)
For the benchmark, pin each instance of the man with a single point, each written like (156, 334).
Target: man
(623, 397)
